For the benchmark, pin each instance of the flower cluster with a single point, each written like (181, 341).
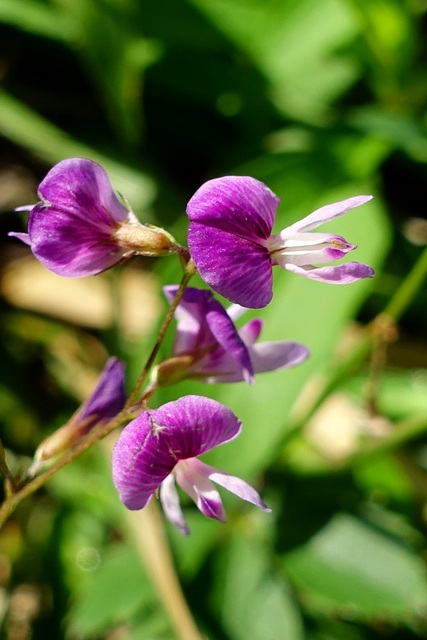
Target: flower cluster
(80, 228)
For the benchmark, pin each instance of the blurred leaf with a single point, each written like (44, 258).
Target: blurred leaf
(294, 44)
(115, 55)
(350, 567)
(255, 603)
(113, 593)
(400, 394)
(23, 126)
(401, 131)
(36, 17)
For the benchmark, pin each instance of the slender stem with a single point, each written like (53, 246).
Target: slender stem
(382, 324)
(97, 433)
(189, 271)
(408, 289)
(146, 527)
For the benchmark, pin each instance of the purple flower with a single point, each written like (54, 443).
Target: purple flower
(105, 402)
(80, 228)
(160, 448)
(208, 346)
(230, 240)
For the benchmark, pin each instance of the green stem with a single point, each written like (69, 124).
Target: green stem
(147, 529)
(189, 271)
(408, 289)
(30, 486)
(392, 313)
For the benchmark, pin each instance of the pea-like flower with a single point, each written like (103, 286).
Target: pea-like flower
(80, 227)
(231, 242)
(160, 448)
(208, 347)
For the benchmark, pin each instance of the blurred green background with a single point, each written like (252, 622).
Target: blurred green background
(321, 100)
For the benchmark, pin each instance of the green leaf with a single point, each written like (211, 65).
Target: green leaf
(294, 43)
(36, 18)
(117, 590)
(348, 567)
(255, 603)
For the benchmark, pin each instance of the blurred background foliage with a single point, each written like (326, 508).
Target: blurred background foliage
(321, 100)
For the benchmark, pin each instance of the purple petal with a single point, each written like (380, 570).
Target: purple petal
(340, 274)
(82, 187)
(141, 461)
(203, 323)
(193, 425)
(21, 236)
(251, 331)
(192, 331)
(200, 489)
(171, 506)
(149, 447)
(108, 397)
(227, 336)
(71, 229)
(235, 485)
(240, 205)
(270, 356)
(236, 268)
(326, 213)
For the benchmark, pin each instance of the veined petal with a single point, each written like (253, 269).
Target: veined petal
(200, 489)
(236, 268)
(326, 213)
(82, 187)
(340, 274)
(68, 247)
(228, 338)
(171, 505)
(239, 205)
(193, 425)
(141, 460)
(233, 484)
(270, 356)
(203, 323)
(192, 331)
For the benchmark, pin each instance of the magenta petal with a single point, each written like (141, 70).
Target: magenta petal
(21, 236)
(141, 460)
(82, 187)
(236, 268)
(270, 356)
(227, 336)
(192, 331)
(200, 489)
(171, 506)
(235, 485)
(239, 205)
(326, 213)
(204, 323)
(251, 331)
(193, 425)
(341, 274)
(71, 230)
